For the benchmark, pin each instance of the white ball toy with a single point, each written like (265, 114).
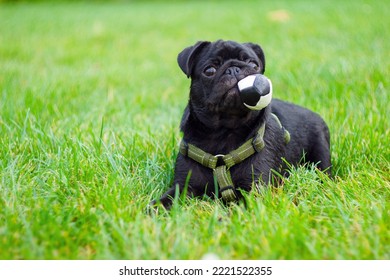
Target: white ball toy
(255, 91)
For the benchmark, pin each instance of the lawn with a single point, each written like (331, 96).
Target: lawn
(90, 103)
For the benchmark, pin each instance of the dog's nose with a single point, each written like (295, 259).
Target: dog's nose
(233, 70)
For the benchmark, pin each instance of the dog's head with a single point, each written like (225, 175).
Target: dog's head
(215, 69)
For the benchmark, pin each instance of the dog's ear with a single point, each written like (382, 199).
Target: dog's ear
(259, 52)
(187, 56)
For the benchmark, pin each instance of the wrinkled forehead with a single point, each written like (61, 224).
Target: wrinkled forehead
(220, 52)
(231, 50)
(226, 50)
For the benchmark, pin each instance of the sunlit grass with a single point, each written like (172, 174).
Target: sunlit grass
(90, 103)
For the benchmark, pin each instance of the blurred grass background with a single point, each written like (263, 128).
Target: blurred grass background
(91, 99)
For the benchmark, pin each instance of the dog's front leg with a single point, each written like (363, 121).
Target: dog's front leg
(167, 199)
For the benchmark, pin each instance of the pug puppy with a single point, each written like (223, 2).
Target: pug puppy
(216, 122)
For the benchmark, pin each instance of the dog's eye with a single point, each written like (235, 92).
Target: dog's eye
(210, 71)
(254, 65)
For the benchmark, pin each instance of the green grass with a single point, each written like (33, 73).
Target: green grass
(90, 103)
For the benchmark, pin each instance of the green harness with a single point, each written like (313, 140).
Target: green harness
(221, 164)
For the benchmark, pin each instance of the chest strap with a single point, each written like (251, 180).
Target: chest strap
(221, 164)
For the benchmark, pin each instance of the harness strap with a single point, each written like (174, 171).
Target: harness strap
(251, 146)
(221, 164)
(225, 183)
(286, 134)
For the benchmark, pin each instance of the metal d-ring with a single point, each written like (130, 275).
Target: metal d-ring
(220, 161)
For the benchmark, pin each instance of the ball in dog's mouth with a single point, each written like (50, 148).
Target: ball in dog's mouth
(255, 91)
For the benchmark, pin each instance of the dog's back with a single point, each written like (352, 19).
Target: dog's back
(310, 140)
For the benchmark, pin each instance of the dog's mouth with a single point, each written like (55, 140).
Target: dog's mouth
(230, 102)
(226, 98)
(232, 93)
(232, 97)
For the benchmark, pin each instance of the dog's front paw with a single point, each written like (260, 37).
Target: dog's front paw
(152, 208)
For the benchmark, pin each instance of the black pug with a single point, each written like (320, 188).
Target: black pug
(228, 147)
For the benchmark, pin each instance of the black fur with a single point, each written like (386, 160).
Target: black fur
(216, 121)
